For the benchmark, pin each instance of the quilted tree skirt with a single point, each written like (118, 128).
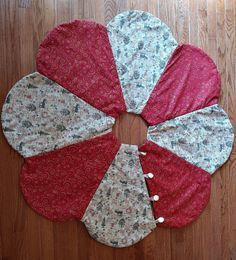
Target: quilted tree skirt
(60, 120)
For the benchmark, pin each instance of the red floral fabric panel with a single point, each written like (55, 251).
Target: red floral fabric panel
(183, 188)
(190, 82)
(78, 56)
(60, 184)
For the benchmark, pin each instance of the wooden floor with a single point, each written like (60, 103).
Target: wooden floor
(209, 24)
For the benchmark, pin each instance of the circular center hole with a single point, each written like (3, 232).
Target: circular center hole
(130, 129)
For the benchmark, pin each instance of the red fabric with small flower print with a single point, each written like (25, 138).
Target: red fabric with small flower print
(60, 184)
(189, 82)
(183, 188)
(87, 70)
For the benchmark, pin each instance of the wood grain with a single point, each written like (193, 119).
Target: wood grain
(209, 24)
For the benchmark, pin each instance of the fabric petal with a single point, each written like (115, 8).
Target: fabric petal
(78, 56)
(183, 188)
(142, 46)
(190, 82)
(204, 137)
(60, 184)
(39, 116)
(120, 212)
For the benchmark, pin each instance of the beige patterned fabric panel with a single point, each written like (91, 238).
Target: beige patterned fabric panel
(120, 213)
(39, 116)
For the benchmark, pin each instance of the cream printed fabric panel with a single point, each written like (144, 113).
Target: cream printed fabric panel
(39, 116)
(120, 212)
(203, 137)
(142, 45)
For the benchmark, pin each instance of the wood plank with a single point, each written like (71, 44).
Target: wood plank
(193, 22)
(229, 194)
